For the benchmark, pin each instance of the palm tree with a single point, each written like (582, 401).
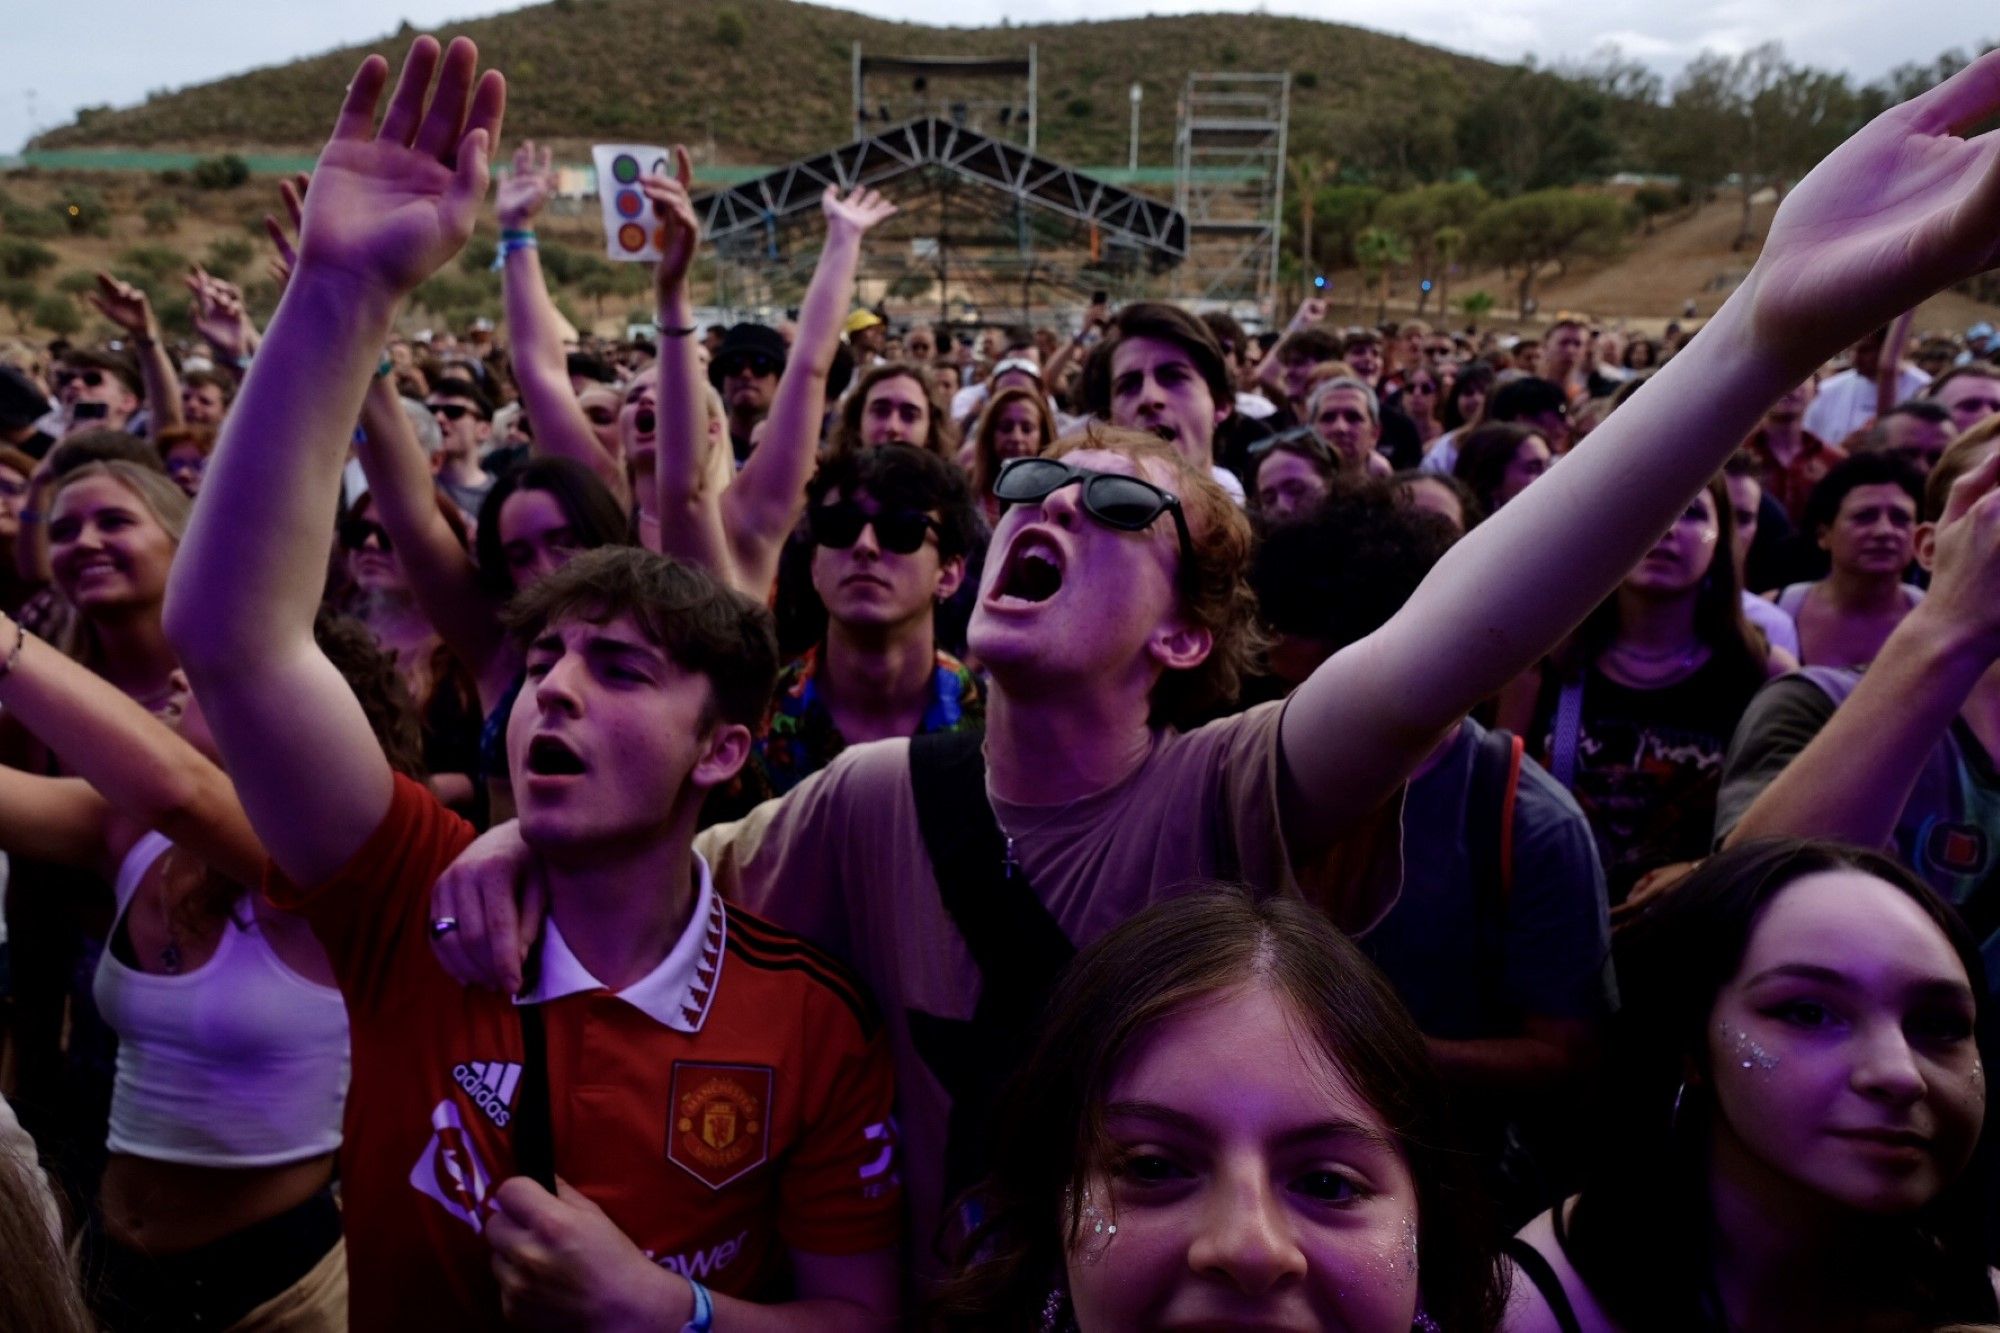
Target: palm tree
(1378, 251)
(1447, 243)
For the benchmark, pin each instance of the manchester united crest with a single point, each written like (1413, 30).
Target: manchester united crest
(719, 1122)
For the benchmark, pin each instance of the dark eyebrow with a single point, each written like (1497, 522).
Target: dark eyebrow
(1167, 1116)
(1942, 987)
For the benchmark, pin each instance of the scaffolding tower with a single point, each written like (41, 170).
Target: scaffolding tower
(1229, 183)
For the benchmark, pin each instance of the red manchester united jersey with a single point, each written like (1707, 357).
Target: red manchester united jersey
(731, 1105)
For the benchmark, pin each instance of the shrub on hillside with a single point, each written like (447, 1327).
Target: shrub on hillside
(221, 173)
(58, 314)
(22, 258)
(162, 217)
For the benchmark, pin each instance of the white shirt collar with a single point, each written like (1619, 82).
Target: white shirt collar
(677, 993)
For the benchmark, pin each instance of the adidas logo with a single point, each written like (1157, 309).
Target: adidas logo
(490, 1084)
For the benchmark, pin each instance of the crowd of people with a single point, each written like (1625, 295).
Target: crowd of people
(859, 823)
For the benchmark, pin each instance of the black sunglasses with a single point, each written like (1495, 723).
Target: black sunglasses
(1112, 498)
(756, 363)
(450, 411)
(839, 526)
(92, 379)
(355, 533)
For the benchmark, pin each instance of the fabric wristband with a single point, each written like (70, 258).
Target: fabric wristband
(703, 1318)
(512, 239)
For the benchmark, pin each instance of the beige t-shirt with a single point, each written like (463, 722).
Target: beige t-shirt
(842, 861)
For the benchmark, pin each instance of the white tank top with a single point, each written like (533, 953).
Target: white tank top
(241, 1062)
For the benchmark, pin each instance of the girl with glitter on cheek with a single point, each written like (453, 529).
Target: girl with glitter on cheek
(1798, 1098)
(1229, 1121)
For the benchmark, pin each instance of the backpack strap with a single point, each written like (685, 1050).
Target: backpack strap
(1489, 828)
(1567, 734)
(1542, 1274)
(534, 1130)
(1019, 949)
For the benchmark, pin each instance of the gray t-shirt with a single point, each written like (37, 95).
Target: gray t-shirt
(1552, 957)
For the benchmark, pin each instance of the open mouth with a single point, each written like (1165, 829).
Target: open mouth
(1034, 573)
(1166, 432)
(551, 758)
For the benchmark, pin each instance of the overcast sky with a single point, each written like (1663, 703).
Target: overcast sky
(59, 57)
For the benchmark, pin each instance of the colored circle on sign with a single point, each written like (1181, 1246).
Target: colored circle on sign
(630, 205)
(632, 236)
(660, 167)
(625, 168)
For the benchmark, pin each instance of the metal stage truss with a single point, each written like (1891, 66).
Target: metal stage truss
(796, 187)
(1118, 229)
(1229, 153)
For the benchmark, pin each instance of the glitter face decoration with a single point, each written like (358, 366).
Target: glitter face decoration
(1095, 1229)
(1745, 1050)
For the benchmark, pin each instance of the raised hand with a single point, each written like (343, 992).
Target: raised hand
(522, 194)
(1310, 313)
(218, 314)
(389, 207)
(674, 206)
(124, 305)
(859, 213)
(1901, 210)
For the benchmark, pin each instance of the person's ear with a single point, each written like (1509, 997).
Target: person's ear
(951, 574)
(1178, 645)
(1926, 544)
(724, 751)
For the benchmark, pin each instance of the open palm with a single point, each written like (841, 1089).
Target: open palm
(1901, 210)
(390, 207)
(522, 194)
(862, 210)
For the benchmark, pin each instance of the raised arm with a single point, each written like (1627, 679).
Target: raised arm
(441, 572)
(138, 765)
(385, 211)
(541, 370)
(759, 509)
(763, 504)
(1271, 371)
(132, 311)
(1899, 211)
(1853, 779)
(687, 504)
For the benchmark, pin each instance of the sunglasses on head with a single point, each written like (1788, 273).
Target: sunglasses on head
(839, 525)
(1128, 504)
(355, 534)
(756, 363)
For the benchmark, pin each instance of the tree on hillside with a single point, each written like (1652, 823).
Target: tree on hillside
(1379, 251)
(1447, 243)
(23, 259)
(1419, 216)
(1547, 228)
(58, 315)
(1306, 174)
(1755, 117)
(1531, 129)
(20, 297)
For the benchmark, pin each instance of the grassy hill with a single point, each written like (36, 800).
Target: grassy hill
(769, 79)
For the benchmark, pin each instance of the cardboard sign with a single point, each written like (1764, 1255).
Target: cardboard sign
(631, 231)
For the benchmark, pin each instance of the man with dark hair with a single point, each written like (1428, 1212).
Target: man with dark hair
(1793, 457)
(682, 1096)
(585, 370)
(1160, 371)
(205, 396)
(1970, 393)
(1919, 430)
(891, 528)
(1538, 404)
(745, 370)
(98, 390)
(464, 417)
